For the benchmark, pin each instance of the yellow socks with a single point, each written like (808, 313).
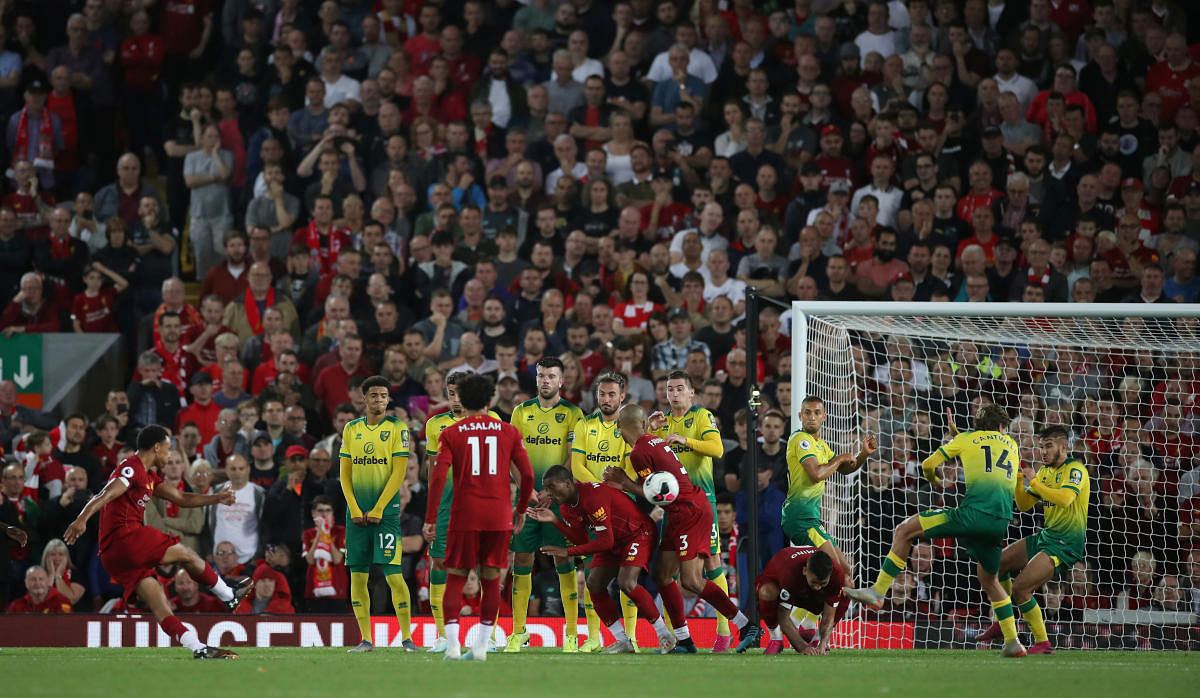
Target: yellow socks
(593, 620)
(521, 591)
(1032, 613)
(568, 587)
(891, 568)
(360, 601)
(400, 601)
(629, 611)
(437, 591)
(1004, 614)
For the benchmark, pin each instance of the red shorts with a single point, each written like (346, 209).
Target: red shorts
(688, 530)
(466, 550)
(133, 557)
(627, 552)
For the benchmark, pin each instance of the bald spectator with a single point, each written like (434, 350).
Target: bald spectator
(123, 197)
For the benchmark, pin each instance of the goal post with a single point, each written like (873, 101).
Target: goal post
(1124, 378)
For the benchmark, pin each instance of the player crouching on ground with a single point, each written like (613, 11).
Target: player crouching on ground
(805, 578)
(624, 542)
(130, 550)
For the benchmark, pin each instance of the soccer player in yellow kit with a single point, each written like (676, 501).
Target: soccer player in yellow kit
(437, 538)
(1063, 487)
(374, 459)
(598, 444)
(990, 462)
(547, 425)
(692, 433)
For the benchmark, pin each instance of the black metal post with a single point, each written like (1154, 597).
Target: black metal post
(750, 469)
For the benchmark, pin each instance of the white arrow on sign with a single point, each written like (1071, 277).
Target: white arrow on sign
(22, 377)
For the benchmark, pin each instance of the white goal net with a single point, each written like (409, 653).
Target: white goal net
(1124, 378)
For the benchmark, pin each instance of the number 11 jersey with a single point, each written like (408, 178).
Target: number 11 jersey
(481, 449)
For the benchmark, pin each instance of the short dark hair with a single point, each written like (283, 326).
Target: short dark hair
(550, 362)
(150, 436)
(1055, 431)
(679, 375)
(812, 398)
(475, 391)
(376, 382)
(76, 415)
(611, 377)
(321, 500)
(820, 564)
(557, 472)
(991, 417)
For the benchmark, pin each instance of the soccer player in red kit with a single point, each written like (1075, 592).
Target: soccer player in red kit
(484, 451)
(802, 577)
(687, 530)
(130, 550)
(625, 538)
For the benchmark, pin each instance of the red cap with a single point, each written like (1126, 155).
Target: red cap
(1131, 183)
(830, 129)
(293, 451)
(902, 276)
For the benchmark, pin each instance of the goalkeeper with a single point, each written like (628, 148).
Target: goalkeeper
(1063, 488)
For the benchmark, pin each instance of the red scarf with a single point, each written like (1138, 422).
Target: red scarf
(44, 158)
(252, 314)
(60, 248)
(1043, 279)
(19, 503)
(324, 257)
(172, 507)
(172, 363)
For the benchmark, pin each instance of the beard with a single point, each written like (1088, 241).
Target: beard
(607, 410)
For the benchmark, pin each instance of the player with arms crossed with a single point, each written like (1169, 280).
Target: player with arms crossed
(990, 463)
(547, 424)
(691, 431)
(685, 537)
(374, 459)
(482, 518)
(598, 445)
(624, 541)
(801, 577)
(130, 550)
(437, 538)
(1064, 489)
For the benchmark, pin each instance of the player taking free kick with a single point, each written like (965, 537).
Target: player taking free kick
(130, 550)
(485, 451)
(990, 461)
(687, 529)
(624, 542)
(374, 459)
(1063, 487)
(805, 578)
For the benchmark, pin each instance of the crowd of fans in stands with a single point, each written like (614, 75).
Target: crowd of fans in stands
(413, 188)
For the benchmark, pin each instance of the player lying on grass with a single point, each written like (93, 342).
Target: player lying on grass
(485, 451)
(1063, 487)
(990, 461)
(130, 550)
(686, 531)
(805, 578)
(624, 542)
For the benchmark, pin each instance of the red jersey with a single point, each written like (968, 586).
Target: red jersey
(421, 49)
(1171, 85)
(142, 58)
(54, 602)
(128, 512)
(183, 23)
(481, 449)
(95, 314)
(971, 201)
(331, 580)
(787, 570)
(611, 515)
(651, 455)
(204, 604)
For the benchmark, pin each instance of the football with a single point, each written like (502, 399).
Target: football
(660, 488)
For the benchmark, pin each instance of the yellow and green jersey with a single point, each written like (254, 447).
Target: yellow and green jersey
(991, 463)
(371, 450)
(601, 445)
(804, 494)
(547, 433)
(1067, 523)
(694, 424)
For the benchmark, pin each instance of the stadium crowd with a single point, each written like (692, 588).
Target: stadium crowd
(273, 199)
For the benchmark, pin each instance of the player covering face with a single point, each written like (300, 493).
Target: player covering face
(687, 529)
(623, 541)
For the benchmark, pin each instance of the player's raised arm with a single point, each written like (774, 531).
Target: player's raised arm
(115, 488)
(709, 444)
(943, 453)
(190, 500)
(869, 446)
(1058, 496)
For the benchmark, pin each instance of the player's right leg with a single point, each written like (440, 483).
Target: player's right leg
(664, 571)
(151, 592)
(1038, 571)
(522, 589)
(204, 574)
(456, 579)
(598, 579)
(768, 611)
(1001, 606)
(913, 527)
(627, 580)
(1013, 559)
(437, 576)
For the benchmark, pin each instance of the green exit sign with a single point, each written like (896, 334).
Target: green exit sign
(21, 361)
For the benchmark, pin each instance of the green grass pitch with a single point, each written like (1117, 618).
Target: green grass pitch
(173, 673)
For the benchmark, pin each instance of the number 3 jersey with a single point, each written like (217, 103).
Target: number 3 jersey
(990, 463)
(481, 449)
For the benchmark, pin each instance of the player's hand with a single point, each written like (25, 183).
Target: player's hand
(1028, 471)
(518, 522)
(677, 439)
(951, 427)
(428, 532)
(613, 474)
(813, 650)
(370, 520)
(227, 497)
(72, 534)
(554, 550)
(359, 520)
(870, 445)
(534, 501)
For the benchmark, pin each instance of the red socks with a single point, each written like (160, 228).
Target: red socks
(672, 603)
(719, 600)
(174, 627)
(207, 578)
(644, 601)
(606, 608)
(768, 611)
(489, 602)
(452, 601)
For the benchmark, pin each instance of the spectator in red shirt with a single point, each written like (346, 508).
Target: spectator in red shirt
(203, 411)
(1064, 84)
(189, 599)
(981, 192)
(29, 310)
(1170, 76)
(272, 595)
(141, 58)
(186, 28)
(93, 308)
(326, 583)
(331, 385)
(41, 597)
(228, 280)
(873, 275)
(424, 46)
